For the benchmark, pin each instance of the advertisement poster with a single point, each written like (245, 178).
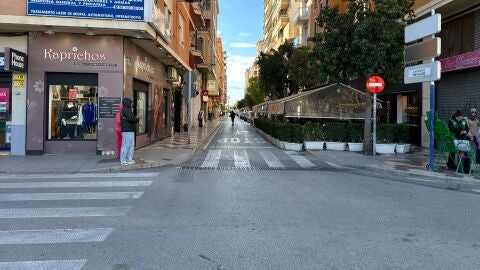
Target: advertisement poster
(8, 132)
(4, 97)
(72, 94)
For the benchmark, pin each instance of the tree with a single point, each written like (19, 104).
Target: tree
(366, 40)
(273, 70)
(255, 94)
(303, 68)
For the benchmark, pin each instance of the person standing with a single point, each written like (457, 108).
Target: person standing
(200, 118)
(118, 129)
(129, 123)
(459, 127)
(474, 124)
(232, 116)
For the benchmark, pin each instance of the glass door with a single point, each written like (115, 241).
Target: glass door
(5, 118)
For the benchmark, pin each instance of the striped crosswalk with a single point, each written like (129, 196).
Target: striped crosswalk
(20, 196)
(248, 158)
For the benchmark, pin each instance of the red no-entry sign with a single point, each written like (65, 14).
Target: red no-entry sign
(375, 84)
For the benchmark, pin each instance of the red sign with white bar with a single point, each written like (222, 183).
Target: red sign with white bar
(375, 84)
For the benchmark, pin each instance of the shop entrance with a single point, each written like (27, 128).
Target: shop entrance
(177, 99)
(5, 112)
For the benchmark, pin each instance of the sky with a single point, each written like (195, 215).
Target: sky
(240, 25)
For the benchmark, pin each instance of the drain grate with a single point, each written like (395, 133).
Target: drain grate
(256, 168)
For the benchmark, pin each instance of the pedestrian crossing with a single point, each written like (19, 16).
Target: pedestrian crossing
(248, 158)
(32, 202)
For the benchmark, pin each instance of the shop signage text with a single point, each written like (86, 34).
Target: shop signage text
(422, 73)
(114, 10)
(74, 54)
(8, 132)
(144, 65)
(108, 107)
(15, 60)
(2, 61)
(4, 98)
(18, 80)
(463, 61)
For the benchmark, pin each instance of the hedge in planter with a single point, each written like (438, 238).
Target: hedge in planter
(282, 131)
(336, 132)
(355, 132)
(314, 132)
(386, 133)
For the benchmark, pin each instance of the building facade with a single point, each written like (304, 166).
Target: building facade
(66, 70)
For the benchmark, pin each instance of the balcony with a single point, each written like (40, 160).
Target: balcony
(283, 20)
(302, 15)
(285, 4)
(299, 42)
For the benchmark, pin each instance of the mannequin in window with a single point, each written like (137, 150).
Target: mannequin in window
(89, 111)
(63, 91)
(69, 119)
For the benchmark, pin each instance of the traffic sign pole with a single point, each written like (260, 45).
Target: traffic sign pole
(432, 116)
(375, 84)
(374, 124)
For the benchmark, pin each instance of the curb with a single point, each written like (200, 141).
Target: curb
(157, 164)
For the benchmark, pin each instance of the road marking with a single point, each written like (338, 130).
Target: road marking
(212, 159)
(213, 136)
(79, 175)
(234, 140)
(77, 184)
(23, 237)
(44, 265)
(244, 147)
(476, 190)
(241, 159)
(64, 212)
(271, 160)
(300, 160)
(69, 196)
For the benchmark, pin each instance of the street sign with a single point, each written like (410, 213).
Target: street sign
(426, 27)
(375, 84)
(422, 73)
(424, 50)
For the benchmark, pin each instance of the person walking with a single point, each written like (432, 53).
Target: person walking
(200, 118)
(118, 129)
(232, 116)
(474, 124)
(129, 124)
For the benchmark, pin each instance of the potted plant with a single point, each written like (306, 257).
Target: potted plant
(336, 135)
(355, 137)
(403, 137)
(385, 138)
(314, 136)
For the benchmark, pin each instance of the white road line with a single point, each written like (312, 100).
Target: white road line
(212, 159)
(64, 212)
(23, 237)
(476, 190)
(245, 147)
(241, 159)
(77, 184)
(271, 160)
(44, 265)
(213, 136)
(300, 160)
(69, 196)
(79, 175)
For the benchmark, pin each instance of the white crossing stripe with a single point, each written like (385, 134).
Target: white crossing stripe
(64, 212)
(78, 175)
(300, 160)
(44, 265)
(77, 184)
(69, 196)
(212, 159)
(23, 237)
(241, 159)
(271, 160)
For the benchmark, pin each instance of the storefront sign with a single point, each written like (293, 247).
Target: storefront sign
(144, 65)
(463, 61)
(2, 61)
(8, 132)
(72, 93)
(18, 80)
(422, 73)
(212, 87)
(15, 60)
(101, 9)
(108, 107)
(158, 19)
(4, 98)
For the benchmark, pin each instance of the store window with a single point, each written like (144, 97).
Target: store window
(141, 111)
(409, 109)
(72, 106)
(458, 36)
(165, 108)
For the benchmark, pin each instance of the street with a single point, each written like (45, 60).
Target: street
(239, 203)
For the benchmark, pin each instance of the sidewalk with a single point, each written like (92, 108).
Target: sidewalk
(170, 151)
(411, 165)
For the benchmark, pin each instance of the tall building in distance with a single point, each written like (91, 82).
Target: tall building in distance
(279, 25)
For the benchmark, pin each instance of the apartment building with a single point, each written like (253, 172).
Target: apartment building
(64, 70)
(218, 102)
(279, 25)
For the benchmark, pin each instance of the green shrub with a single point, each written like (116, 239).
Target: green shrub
(355, 132)
(314, 132)
(386, 133)
(280, 130)
(402, 133)
(336, 131)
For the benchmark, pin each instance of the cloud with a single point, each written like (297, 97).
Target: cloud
(243, 45)
(243, 34)
(219, 33)
(236, 66)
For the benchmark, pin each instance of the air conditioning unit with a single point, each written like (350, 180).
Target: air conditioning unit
(171, 74)
(177, 82)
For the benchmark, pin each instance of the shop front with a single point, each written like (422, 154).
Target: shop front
(146, 84)
(74, 88)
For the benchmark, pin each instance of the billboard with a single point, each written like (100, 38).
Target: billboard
(132, 10)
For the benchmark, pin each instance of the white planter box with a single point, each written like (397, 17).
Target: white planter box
(402, 148)
(336, 146)
(293, 146)
(355, 147)
(385, 148)
(313, 145)
(280, 144)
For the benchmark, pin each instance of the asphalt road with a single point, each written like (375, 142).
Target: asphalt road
(239, 203)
